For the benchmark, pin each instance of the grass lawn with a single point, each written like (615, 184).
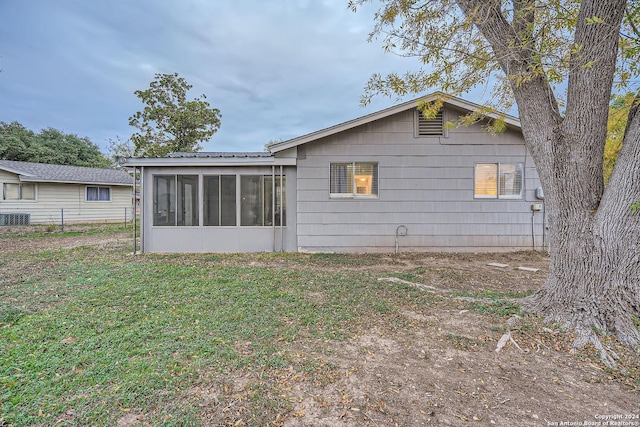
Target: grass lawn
(92, 335)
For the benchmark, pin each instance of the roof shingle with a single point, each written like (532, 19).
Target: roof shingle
(42, 172)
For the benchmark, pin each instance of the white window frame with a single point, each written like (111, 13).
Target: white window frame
(499, 166)
(99, 187)
(375, 181)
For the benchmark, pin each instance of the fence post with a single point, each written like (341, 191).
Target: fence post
(62, 219)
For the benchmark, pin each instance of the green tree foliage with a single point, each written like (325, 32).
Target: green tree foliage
(616, 125)
(169, 122)
(16, 142)
(460, 55)
(119, 149)
(48, 146)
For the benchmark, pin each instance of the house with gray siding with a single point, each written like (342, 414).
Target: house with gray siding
(391, 180)
(39, 193)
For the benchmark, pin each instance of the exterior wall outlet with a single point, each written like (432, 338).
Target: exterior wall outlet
(536, 207)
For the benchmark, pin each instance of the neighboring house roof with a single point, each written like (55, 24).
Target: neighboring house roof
(42, 172)
(449, 100)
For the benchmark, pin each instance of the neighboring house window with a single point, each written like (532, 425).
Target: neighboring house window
(19, 191)
(98, 194)
(219, 200)
(499, 181)
(354, 179)
(429, 127)
(175, 200)
(256, 200)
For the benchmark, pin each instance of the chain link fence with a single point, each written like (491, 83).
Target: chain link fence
(62, 216)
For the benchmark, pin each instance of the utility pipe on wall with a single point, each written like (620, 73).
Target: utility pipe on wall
(401, 230)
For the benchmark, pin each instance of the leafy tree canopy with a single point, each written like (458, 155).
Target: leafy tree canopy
(119, 149)
(48, 146)
(531, 40)
(169, 122)
(616, 125)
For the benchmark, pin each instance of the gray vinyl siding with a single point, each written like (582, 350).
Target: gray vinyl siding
(425, 184)
(55, 199)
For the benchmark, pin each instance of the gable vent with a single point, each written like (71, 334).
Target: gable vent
(430, 127)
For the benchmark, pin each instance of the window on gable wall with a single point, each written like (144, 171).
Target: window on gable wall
(499, 180)
(353, 180)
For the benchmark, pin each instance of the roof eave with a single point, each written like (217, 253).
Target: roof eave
(66, 181)
(208, 162)
(17, 172)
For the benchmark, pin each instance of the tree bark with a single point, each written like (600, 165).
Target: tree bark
(593, 284)
(594, 280)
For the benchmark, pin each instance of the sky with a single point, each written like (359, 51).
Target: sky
(276, 69)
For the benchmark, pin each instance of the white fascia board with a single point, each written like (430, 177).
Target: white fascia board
(208, 162)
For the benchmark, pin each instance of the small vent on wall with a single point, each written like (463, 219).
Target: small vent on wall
(15, 219)
(430, 127)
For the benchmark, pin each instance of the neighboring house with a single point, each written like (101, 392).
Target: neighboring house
(38, 193)
(389, 178)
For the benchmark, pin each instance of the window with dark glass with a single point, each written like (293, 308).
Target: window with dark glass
(98, 194)
(175, 200)
(219, 200)
(259, 205)
(187, 200)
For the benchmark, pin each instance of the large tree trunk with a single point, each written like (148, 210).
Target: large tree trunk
(594, 278)
(595, 267)
(593, 283)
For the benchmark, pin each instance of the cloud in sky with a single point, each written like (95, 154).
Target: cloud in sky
(276, 69)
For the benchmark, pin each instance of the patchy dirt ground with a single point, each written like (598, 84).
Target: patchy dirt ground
(433, 366)
(52, 240)
(442, 367)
